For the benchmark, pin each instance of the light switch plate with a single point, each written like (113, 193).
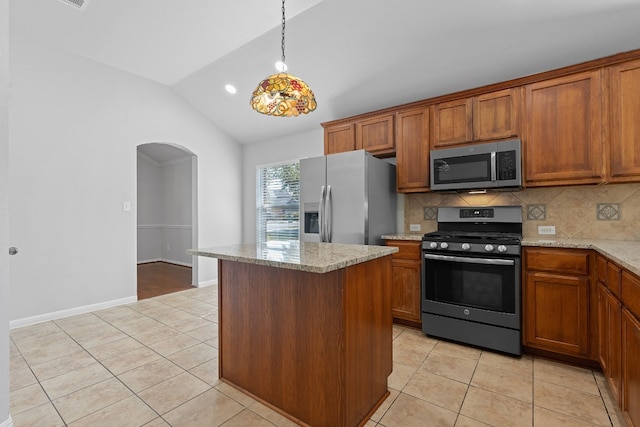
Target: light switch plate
(414, 227)
(547, 229)
(126, 206)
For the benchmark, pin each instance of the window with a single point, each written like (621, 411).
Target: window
(278, 202)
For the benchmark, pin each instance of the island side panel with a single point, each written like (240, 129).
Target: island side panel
(368, 332)
(281, 338)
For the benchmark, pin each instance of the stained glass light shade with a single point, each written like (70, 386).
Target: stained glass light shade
(283, 95)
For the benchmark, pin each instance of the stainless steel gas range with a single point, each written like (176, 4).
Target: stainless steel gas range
(471, 277)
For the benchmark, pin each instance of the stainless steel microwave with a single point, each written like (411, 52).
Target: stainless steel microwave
(477, 167)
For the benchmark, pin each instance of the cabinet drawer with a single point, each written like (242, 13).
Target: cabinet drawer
(406, 250)
(558, 260)
(631, 292)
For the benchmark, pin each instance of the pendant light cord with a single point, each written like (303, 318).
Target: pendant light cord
(283, 21)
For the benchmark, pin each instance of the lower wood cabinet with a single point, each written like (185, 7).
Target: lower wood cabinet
(609, 336)
(630, 368)
(405, 292)
(557, 298)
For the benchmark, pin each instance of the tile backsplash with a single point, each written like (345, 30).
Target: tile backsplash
(602, 212)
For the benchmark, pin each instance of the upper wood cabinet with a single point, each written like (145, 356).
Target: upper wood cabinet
(484, 117)
(339, 138)
(495, 115)
(624, 125)
(563, 127)
(412, 150)
(376, 134)
(452, 123)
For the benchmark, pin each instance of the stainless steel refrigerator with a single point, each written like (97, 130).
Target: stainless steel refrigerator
(347, 198)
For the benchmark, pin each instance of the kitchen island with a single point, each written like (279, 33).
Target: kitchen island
(306, 328)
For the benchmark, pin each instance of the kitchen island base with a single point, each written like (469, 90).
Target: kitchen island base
(316, 347)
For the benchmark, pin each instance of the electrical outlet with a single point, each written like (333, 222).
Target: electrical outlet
(547, 229)
(414, 227)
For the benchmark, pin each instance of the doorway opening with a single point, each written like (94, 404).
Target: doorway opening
(167, 222)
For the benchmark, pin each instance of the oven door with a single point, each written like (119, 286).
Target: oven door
(475, 288)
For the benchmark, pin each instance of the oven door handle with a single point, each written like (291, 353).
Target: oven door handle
(488, 261)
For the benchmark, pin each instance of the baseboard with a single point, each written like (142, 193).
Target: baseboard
(19, 323)
(7, 423)
(206, 283)
(168, 261)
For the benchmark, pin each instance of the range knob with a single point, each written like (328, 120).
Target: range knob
(444, 245)
(488, 248)
(502, 248)
(466, 246)
(433, 245)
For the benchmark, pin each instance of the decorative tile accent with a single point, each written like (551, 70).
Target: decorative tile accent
(536, 212)
(431, 213)
(608, 212)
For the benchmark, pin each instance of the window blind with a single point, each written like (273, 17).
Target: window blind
(278, 202)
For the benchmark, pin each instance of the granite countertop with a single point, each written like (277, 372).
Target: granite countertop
(295, 255)
(624, 252)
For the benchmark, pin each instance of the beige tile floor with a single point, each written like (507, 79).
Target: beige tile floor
(154, 363)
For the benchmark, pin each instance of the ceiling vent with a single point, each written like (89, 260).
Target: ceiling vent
(78, 4)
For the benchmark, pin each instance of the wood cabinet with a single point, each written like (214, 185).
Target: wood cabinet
(563, 127)
(630, 368)
(609, 330)
(412, 150)
(484, 117)
(339, 138)
(557, 293)
(452, 123)
(374, 134)
(405, 292)
(624, 126)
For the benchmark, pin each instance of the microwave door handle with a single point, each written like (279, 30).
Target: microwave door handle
(493, 166)
(486, 261)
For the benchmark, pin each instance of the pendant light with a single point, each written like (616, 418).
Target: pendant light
(282, 94)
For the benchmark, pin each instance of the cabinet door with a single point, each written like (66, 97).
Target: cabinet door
(630, 368)
(624, 126)
(405, 299)
(452, 123)
(557, 313)
(412, 150)
(339, 138)
(495, 115)
(609, 333)
(376, 134)
(563, 131)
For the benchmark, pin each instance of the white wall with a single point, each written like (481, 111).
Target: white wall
(164, 210)
(5, 242)
(298, 146)
(176, 211)
(74, 128)
(149, 209)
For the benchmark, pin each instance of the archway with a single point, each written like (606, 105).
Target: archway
(167, 220)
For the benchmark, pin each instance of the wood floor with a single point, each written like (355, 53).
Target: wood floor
(160, 278)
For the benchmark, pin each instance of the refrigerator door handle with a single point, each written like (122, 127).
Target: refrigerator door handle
(328, 215)
(321, 214)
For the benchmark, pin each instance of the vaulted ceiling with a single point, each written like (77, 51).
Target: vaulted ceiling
(357, 55)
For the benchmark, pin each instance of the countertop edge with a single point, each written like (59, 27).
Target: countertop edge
(219, 253)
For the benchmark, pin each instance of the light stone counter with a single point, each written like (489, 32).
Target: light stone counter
(295, 255)
(624, 252)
